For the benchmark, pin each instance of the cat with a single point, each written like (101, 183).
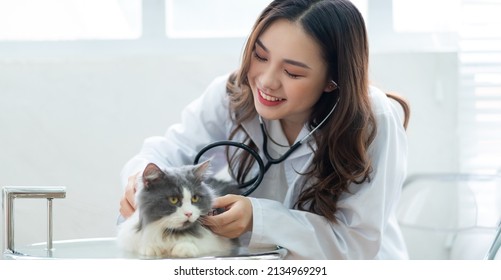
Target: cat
(170, 206)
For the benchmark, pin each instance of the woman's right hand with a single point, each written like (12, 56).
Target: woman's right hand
(127, 203)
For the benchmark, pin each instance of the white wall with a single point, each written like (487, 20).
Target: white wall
(429, 81)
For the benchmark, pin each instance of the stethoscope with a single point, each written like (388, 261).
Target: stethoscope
(262, 167)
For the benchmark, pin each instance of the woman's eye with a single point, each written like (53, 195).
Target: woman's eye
(173, 200)
(195, 198)
(291, 75)
(258, 57)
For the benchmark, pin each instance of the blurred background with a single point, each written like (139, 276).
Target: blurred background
(84, 82)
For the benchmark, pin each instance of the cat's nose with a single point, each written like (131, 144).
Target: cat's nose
(188, 214)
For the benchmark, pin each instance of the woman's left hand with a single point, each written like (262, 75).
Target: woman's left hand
(237, 218)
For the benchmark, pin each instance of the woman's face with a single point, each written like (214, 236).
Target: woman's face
(287, 73)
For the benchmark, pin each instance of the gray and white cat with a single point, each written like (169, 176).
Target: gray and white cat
(170, 204)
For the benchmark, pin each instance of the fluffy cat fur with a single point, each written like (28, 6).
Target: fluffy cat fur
(170, 204)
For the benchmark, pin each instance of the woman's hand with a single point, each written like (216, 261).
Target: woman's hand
(127, 203)
(235, 221)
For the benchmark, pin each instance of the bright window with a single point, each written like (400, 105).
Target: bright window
(47, 20)
(214, 18)
(426, 15)
(480, 86)
(217, 18)
(62, 20)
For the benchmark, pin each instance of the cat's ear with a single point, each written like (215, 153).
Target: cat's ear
(201, 170)
(151, 173)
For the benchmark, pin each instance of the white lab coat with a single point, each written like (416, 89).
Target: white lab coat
(366, 225)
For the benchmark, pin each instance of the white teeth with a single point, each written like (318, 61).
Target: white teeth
(269, 97)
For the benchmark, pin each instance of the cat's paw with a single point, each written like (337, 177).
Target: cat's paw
(185, 250)
(152, 251)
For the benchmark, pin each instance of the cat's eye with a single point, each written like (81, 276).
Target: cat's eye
(195, 198)
(173, 200)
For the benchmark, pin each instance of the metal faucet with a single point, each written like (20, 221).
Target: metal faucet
(10, 193)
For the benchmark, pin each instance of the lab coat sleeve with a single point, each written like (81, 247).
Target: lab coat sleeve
(203, 121)
(363, 218)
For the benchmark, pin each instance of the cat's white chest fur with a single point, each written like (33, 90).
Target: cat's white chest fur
(151, 242)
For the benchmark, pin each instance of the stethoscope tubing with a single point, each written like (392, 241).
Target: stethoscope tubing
(263, 168)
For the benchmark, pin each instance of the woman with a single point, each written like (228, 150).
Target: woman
(304, 69)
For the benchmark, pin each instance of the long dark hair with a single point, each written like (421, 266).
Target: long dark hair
(342, 155)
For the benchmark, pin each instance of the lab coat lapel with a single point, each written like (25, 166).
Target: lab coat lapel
(254, 131)
(299, 165)
(307, 147)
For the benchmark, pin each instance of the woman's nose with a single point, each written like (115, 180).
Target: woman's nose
(269, 79)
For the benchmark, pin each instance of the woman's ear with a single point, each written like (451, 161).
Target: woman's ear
(331, 86)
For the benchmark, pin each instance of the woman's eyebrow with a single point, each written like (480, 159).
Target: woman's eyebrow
(288, 61)
(258, 42)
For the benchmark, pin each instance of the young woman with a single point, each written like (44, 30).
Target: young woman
(304, 71)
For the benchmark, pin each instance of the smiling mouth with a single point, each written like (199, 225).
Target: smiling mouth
(269, 97)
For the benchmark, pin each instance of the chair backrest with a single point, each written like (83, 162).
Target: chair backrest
(450, 216)
(494, 253)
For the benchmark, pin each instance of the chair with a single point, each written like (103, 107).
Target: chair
(451, 216)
